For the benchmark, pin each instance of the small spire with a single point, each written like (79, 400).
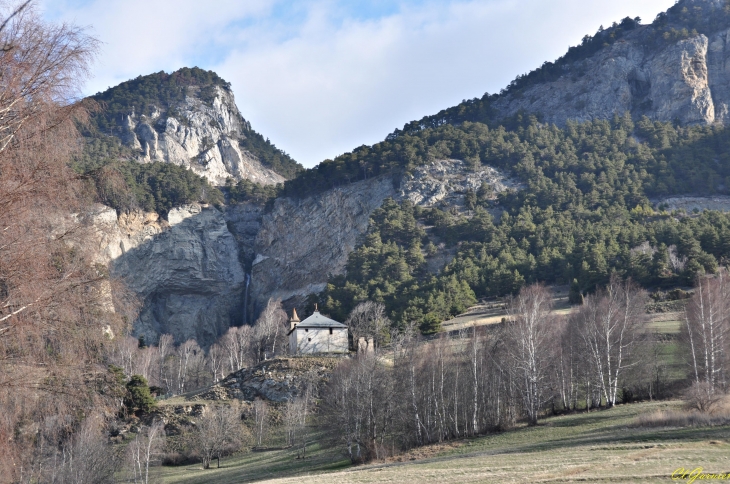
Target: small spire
(294, 317)
(315, 308)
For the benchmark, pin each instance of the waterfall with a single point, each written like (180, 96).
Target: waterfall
(245, 299)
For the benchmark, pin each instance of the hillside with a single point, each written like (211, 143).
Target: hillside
(588, 447)
(671, 70)
(585, 198)
(187, 118)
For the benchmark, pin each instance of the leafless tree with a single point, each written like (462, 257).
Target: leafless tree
(269, 332)
(217, 431)
(144, 450)
(55, 304)
(261, 420)
(165, 347)
(188, 355)
(85, 457)
(215, 360)
(610, 324)
(368, 321)
(237, 342)
(707, 320)
(529, 337)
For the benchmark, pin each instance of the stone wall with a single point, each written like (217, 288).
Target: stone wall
(319, 340)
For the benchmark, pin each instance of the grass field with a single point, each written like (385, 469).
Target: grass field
(601, 446)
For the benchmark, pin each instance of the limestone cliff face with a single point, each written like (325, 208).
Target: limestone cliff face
(686, 81)
(201, 136)
(301, 242)
(203, 270)
(186, 271)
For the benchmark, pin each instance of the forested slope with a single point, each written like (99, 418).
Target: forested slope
(584, 214)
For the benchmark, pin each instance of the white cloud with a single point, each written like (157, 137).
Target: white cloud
(319, 81)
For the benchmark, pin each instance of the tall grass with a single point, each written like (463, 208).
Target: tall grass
(682, 418)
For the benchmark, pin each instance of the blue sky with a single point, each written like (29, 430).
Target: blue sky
(321, 77)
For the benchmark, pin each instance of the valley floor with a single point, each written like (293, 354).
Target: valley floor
(600, 446)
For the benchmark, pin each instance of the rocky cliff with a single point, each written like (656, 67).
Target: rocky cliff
(197, 272)
(188, 118)
(644, 73)
(186, 271)
(303, 241)
(203, 137)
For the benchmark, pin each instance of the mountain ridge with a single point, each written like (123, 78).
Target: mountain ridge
(188, 118)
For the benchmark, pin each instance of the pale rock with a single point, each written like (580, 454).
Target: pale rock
(186, 273)
(687, 81)
(302, 242)
(199, 136)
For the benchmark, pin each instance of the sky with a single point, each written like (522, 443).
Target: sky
(322, 77)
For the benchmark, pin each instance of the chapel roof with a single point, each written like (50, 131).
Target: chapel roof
(316, 320)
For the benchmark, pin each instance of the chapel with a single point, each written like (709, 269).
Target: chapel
(317, 334)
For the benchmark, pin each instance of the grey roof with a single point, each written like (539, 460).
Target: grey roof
(316, 320)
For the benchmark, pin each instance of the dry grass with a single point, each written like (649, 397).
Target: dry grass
(600, 446)
(719, 415)
(682, 418)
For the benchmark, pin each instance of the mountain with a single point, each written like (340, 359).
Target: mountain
(473, 202)
(674, 70)
(188, 118)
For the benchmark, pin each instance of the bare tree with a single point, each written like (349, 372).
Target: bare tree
(147, 445)
(215, 360)
(529, 341)
(261, 420)
(609, 323)
(270, 330)
(707, 320)
(368, 321)
(237, 342)
(217, 431)
(187, 355)
(165, 347)
(55, 304)
(85, 457)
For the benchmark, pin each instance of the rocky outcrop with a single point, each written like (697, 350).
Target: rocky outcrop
(185, 271)
(201, 136)
(686, 81)
(278, 380)
(446, 181)
(303, 241)
(203, 270)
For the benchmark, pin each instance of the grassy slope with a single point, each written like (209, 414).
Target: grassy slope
(588, 447)
(257, 466)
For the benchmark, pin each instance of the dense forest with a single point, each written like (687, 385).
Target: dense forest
(584, 214)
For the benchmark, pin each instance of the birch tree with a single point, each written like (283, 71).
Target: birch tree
(610, 322)
(529, 338)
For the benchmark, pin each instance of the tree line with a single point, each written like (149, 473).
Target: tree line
(534, 364)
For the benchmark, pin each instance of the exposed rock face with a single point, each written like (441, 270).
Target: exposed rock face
(302, 242)
(686, 81)
(278, 380)
(200, 136)
(191, 272)
(186, 271)
(448, 180)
